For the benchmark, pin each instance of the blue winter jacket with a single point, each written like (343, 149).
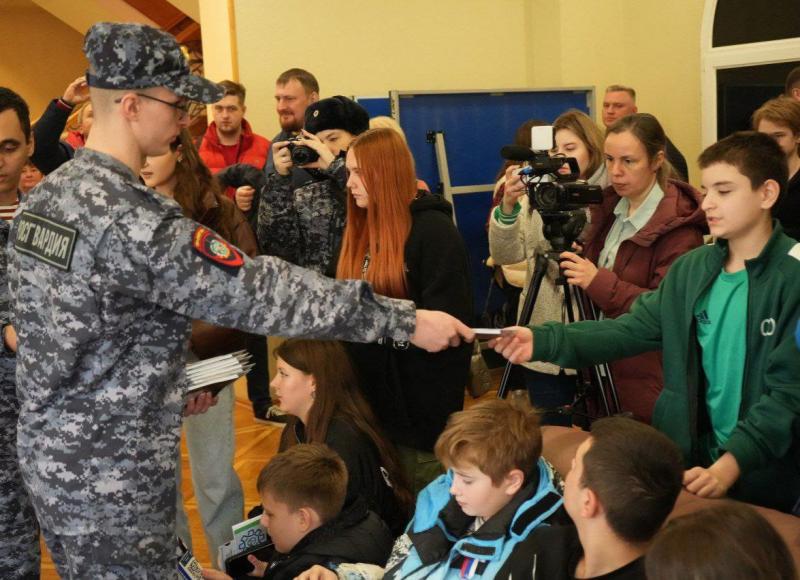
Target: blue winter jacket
(442, 546)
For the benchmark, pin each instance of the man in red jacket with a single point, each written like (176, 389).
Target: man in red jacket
(229, 138)
(227, 141)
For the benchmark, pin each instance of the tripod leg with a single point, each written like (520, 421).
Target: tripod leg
(539, 271)
(602, 372)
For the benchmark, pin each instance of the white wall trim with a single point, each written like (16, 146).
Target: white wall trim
(739, 55)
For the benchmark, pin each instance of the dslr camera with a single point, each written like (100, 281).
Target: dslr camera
(301, 154)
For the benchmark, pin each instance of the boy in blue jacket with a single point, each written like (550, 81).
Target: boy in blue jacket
(470, 521)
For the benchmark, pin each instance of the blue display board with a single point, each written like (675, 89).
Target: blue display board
(475, 126)
(376, 106)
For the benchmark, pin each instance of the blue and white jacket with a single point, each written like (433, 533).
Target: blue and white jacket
(441, 545)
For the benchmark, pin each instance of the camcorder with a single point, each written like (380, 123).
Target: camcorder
(559, 196)
(301, 154)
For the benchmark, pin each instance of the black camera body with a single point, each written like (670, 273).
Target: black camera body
(551, 196)
(559, 197)
(554, 191)
(301, 154)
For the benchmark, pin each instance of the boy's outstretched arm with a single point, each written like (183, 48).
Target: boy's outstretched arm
(586, 343)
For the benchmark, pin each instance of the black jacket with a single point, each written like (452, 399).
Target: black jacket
(364, 470)
(553, 553)
(355, 535)
(49, 151)
(413, 392)
(787, 210)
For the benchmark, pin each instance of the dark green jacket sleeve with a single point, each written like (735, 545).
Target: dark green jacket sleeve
(592, 342)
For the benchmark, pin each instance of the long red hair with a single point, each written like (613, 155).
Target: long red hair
(387, 170)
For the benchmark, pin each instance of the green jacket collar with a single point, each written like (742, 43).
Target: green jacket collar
(756, 265)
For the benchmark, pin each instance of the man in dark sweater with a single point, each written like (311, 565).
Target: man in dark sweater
(303, 492)
(620, 101)
(623, 484)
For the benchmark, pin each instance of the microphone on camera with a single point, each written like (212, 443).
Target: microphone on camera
(517, 153)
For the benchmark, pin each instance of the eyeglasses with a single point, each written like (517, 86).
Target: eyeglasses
(182, 105)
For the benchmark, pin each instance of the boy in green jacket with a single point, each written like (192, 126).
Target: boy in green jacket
(724, 317)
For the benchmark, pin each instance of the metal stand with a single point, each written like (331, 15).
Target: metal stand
(448, 189)
(600, 378)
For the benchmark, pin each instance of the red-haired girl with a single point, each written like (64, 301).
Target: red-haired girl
(403, 241)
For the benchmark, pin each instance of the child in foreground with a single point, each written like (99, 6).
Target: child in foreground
(730, 540)
(623, 484)
(470, 521)
(303, 491)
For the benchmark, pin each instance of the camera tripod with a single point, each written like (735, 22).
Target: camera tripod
(598, 378)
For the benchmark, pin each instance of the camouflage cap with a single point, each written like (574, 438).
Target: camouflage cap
(136, 56)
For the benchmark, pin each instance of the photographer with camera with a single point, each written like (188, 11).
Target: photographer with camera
(646, 221)
(516, 234)
(303, 222)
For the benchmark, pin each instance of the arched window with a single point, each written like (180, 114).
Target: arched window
(748, 21)
(748, 48)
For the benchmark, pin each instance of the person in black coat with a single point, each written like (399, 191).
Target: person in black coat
(316, 386)
(404, 242)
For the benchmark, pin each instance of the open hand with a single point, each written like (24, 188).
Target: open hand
(514, 344)
(76, 92)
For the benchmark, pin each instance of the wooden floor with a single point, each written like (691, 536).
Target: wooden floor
(256, 443)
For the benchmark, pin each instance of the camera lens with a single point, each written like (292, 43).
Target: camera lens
(302, 155)
(546, 196)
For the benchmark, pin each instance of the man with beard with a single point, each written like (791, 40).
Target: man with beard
(295, 90)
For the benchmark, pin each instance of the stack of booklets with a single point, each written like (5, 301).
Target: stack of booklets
(214, 373)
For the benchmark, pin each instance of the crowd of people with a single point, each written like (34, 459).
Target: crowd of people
(128, 248)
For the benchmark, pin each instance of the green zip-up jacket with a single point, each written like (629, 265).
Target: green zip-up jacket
(766, 440)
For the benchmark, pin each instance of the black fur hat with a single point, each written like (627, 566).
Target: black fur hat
(336, 113)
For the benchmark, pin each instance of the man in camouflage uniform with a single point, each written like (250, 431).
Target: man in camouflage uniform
(105, 276)
(19, 533)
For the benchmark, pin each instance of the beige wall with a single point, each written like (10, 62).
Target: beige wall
(40, 54)
(364, 47)
(651, 45)
(219, 45)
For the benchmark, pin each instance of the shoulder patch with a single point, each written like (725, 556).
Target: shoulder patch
(45, 239)
(212, 247)
(795, 252)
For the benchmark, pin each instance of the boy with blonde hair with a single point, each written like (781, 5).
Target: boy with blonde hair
(469, 522)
